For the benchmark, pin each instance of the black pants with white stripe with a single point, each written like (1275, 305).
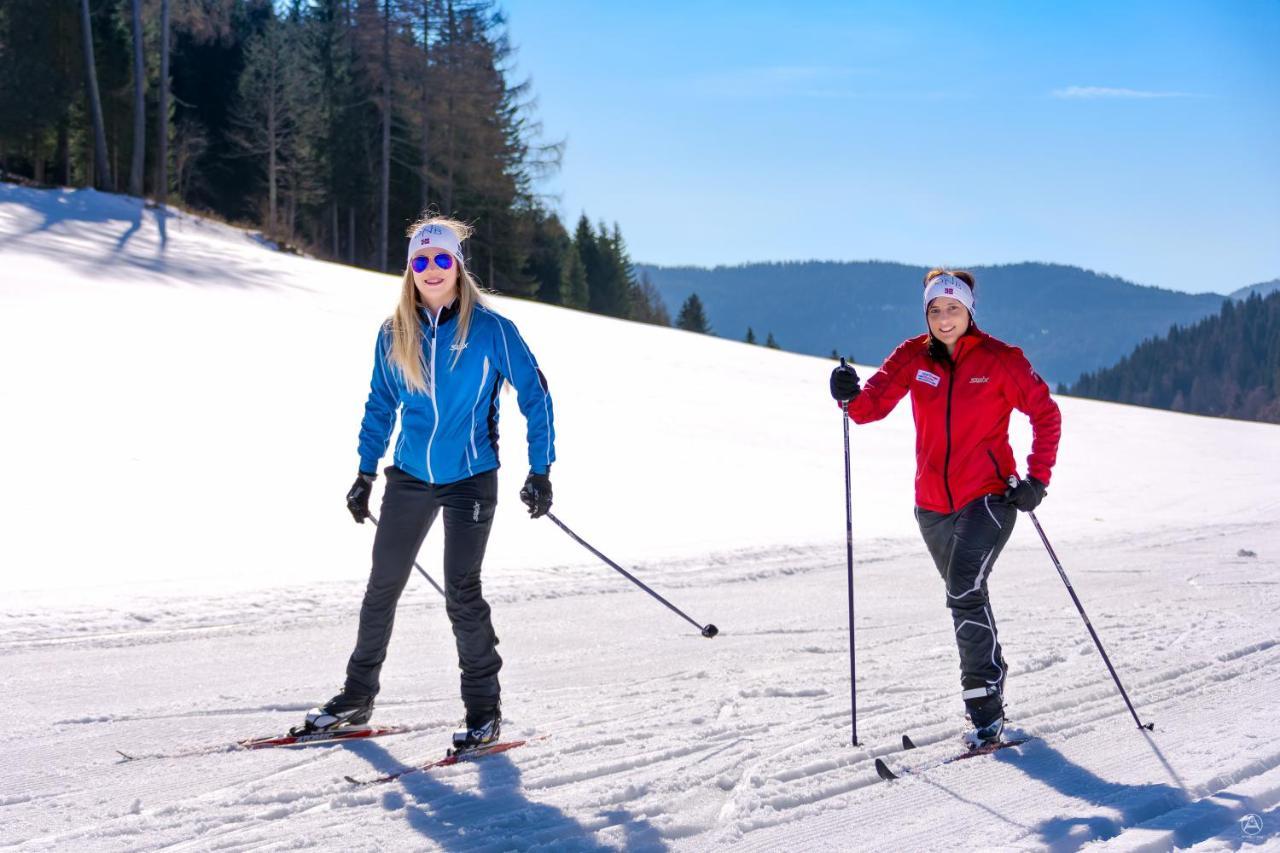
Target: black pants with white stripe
(965, 545)
(409, 507)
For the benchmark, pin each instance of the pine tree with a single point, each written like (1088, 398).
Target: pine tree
(751, 336)
(550, 259)
(578, 294)
(771, 343)
(692, 317)
(589, 264)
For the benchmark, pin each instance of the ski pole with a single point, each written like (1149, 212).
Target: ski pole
(1013, 482)
(848, 537)
(707, 630)
(430, 580)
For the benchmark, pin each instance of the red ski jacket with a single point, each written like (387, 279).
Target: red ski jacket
(962, 416)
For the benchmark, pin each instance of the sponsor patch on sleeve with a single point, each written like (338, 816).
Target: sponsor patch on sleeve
(928, 378)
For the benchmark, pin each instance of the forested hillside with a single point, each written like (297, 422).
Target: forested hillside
(1227, 365)
(328, 124)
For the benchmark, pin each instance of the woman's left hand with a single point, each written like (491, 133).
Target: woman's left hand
(536, 494)
(1027, 495)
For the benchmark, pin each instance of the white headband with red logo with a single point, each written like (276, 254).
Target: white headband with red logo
(949, 286)
(433, 236)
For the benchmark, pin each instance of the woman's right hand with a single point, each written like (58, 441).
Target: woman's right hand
(358, 497)
(844, 383)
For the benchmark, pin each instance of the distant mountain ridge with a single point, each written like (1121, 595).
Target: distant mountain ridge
(1262, 288)
(1068, 320)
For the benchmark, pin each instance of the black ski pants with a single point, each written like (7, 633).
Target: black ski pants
(965, 545)
(409, 507)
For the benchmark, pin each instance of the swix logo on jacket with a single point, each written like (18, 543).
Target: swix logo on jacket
(452, 433)
(962, 420)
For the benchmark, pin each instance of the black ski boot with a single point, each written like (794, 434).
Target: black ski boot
(986, 711)
(345, 709)
(482, 727)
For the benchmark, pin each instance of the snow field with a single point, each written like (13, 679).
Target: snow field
(182, 574)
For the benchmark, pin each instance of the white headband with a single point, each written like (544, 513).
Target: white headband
(435, 236)
(950, 286)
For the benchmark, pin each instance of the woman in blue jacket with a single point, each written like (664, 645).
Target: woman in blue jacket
(440, 362)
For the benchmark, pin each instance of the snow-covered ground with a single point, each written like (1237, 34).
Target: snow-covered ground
(180, 404)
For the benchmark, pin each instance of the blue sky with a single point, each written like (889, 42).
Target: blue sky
(1140, 139)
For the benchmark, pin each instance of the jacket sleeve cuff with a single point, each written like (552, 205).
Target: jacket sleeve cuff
(369, 466)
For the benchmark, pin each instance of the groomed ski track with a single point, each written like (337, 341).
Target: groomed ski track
(662, 740)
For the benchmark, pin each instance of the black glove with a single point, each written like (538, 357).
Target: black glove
(536, 494)
(358, 497)
(1027, 495)
(844, 383)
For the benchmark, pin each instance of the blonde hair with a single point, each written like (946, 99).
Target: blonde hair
(406, 328)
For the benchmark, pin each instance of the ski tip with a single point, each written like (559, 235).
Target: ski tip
(883, 771)
(907, 743)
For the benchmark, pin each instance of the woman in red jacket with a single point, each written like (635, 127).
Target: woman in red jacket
(963, 385)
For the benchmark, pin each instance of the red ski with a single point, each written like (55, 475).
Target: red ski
(346, 733)
(450, 759)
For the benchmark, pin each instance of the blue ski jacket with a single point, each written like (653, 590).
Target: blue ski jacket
(452, 433)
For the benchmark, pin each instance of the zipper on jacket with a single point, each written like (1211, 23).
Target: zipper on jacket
(946, 463)
(996, 464)
(435, 410)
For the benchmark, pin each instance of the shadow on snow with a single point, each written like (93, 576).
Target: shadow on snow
(495, 813)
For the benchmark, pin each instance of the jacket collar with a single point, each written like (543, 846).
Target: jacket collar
(447, 313)
(973, 337)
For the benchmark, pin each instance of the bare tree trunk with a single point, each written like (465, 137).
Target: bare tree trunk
(272, 168)
(450, 55)
(384, 215)
(333, 208)
(101, 169)
(63, 155)
(37, 158)
(426, 103)
(161, 188)
(139, 106)
(351, 235)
